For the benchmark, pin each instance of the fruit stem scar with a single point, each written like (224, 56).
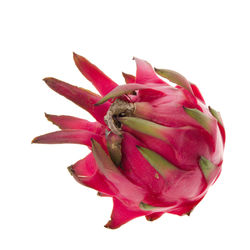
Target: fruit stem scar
(118, 108)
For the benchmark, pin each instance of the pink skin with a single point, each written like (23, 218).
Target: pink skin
(183, 142)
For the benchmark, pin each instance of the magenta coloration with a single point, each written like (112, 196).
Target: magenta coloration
(156, 148)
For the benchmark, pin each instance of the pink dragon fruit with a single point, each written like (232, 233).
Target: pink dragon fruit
(155, 148)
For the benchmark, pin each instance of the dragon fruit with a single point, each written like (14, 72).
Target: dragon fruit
(155, 148)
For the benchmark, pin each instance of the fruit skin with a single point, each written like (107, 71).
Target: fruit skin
(162, 148)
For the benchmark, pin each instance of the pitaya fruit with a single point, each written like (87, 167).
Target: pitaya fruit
(155, 148)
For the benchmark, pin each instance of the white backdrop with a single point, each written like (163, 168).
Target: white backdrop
(42, 207)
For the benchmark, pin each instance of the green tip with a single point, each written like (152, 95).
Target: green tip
(71, 171)
(200, 117)
(147, 207)
(189, 213)
(216, 115)
(103, 160)
(143, 126)
(159, 163)
(121, 90)
(175, 77)
(126, 89)
(207, 168)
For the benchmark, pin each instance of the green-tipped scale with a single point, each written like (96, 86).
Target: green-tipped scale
(147, 207)
(208, 168)
(204, 120)
(216, 114)
(159, 163)
(104, 162)
(175, 77)
(144, 126)
(125, 89)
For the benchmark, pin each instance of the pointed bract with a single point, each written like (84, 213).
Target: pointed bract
(137, 169)
(145, 73)
(70, 122)
(204, 120)
(144, 126)
(103, 194)
(159, 163)
(101, 82)
(216, 114)
(175, 77)
(125, 188)
(86, 172)
(154, 216)
(129, 78)
(164, 133)
(121, 214)
(197, 92)
(82, 97)
(125, 89)
(75, 136)
(208, 169)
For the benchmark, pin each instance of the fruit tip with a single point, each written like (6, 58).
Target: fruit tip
(136, 58)
(212, 111)
(70, 169)
(48, 80)
(189, 213)
(47, 115)
(107, 225)
(45, 79)
(75, 56)
(35, 140)
(151, 219)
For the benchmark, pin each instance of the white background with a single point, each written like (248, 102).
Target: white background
(42, 207)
